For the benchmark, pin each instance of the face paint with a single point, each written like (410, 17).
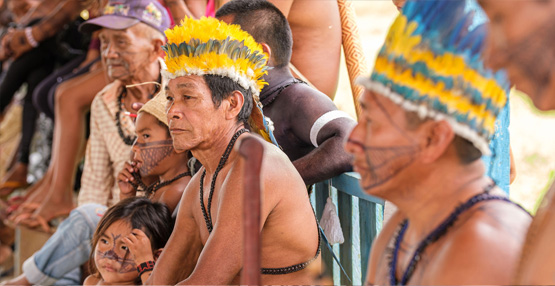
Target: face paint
(126, 264)
(382, 147)
(153, 153)
(386, 162)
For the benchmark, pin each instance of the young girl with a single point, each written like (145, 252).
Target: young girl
(128, 240)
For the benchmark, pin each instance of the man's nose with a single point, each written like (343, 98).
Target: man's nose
(355, 141)
(495, 50)
(173, 112)
(109, 52)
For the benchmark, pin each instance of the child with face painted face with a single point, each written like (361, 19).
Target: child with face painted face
(128, 240)
(157, 169)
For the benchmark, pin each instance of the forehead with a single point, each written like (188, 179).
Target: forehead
(119, 227)
(105, 32)
(146, 120)
(373, 101)
(189, 82)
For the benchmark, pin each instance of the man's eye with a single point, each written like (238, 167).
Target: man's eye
(146, 136)
(187, 97)
(169, 98)
(123, 247)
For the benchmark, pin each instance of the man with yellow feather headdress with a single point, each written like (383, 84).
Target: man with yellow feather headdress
(214, 80)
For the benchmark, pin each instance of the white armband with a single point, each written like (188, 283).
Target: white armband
(322, 121)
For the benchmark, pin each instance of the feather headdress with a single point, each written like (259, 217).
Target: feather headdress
(431, 63)
(210, 46)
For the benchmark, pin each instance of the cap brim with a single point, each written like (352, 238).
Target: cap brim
(113, 22)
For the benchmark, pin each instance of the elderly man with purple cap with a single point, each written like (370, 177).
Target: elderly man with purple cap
(131, 38)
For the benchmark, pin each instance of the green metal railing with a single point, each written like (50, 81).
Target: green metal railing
(361, 218)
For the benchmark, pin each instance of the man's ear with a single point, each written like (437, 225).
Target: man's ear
(268, 50)
(157, 44)
(439, 135)
(234, 105)
(157, 253)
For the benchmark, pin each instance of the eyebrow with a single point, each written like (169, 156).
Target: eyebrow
(362, 105)
(143, 129)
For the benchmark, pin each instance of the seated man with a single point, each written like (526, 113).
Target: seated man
(130, 49)
(308, 126)
(211, 95)
(528, 57)
(428, 113)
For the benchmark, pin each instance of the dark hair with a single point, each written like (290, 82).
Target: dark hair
(466, 151)
(265, 23)
(154, 219)
(221, 88)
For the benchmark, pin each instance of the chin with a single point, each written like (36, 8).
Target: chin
(373, 188)
(544, 101)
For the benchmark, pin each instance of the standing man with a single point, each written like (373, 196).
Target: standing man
(308, 126)
(522, 41)
(428, 113)
(211, 94)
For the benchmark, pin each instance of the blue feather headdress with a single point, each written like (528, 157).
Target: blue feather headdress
(431, 63)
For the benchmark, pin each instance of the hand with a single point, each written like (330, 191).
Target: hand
(16, 43)
(125, 180)
(139, 245)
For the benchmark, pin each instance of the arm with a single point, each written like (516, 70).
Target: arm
(183, 248)
(64, 13)
(179, 10)
(330, 156)
(96, 181)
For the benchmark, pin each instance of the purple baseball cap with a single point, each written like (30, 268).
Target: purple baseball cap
(122, 14)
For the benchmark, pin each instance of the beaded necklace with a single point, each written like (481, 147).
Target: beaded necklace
(154, 187)
(208, 217)
(435, 235)
(206, 213)
(128, 140)
(151, 190)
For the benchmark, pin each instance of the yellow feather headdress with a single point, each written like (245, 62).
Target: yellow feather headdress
(210, 46)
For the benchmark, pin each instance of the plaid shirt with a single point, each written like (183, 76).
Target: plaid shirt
(106, 152)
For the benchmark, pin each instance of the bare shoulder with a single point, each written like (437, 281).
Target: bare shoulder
(276, 164)
(306, 95)
(91, 280)
(486, 242)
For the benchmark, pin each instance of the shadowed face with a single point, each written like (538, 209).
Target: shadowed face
(193, 118)
(382, 146)
(111, 256)
(521, 40)
(152, 146)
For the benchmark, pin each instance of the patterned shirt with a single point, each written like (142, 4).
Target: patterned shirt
(106, 152)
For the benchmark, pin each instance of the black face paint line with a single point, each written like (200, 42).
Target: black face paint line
(127, 264)
(153, 153)
(384, 163)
